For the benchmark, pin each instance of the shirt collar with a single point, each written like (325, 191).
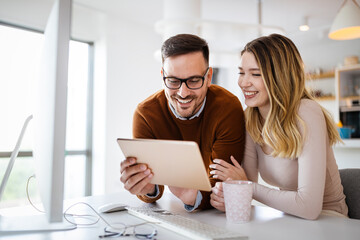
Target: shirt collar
(190, 118)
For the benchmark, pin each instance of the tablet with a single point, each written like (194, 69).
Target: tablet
(174, 163)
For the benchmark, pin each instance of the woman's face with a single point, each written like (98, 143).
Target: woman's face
(252, 84)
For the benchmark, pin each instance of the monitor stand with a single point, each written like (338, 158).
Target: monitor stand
(31, 224)
(13, 157)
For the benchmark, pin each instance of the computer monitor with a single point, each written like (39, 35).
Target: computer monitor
(50, 110)
(49, 119)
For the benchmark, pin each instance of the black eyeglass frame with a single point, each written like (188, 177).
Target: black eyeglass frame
(185, 80)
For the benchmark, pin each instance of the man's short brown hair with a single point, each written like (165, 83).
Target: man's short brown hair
(183, 44)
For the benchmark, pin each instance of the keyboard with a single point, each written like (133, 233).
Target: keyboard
(182, 225)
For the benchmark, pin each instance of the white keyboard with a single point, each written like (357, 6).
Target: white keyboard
(185, 226)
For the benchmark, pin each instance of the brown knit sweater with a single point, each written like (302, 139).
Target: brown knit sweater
(219, 130)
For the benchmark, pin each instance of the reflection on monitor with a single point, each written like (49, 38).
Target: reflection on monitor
(49, 121)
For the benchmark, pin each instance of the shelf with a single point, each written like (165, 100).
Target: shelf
(325, 98)
(324, 75)
(349, 68)
(350, 98)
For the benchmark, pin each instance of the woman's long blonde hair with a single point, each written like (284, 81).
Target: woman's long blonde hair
(282, 70)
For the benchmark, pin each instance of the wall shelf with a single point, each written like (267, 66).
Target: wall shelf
(322, 85)
(325, 98)
(324, 75)
(350, 98)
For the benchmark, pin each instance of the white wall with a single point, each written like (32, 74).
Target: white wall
(133, 74)
(327, 54)
(26, 13)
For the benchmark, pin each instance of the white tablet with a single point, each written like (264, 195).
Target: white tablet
(174, 163)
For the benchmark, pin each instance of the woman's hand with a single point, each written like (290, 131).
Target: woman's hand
(217, 197)
(225, 171)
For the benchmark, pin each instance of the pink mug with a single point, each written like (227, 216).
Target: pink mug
(237, 197)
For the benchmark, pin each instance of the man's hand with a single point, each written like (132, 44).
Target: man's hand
(217, 197)
(136, 177)
(187, 196)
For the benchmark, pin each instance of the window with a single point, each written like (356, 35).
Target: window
(19, 62)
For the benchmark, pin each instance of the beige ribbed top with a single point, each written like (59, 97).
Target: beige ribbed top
(305, 185)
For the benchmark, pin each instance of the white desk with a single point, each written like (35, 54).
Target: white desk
(266, 223)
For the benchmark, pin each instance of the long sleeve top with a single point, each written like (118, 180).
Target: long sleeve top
(219, 130)
(305, 185)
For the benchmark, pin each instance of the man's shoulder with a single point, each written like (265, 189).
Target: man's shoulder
(219, 92)
(219, 96)
(153, 101)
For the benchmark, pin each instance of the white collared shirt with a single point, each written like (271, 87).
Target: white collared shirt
(190, 118)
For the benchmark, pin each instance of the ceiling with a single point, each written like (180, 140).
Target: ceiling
(284, 14)
(287, 14)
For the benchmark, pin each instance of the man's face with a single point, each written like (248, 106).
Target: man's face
(185, 101)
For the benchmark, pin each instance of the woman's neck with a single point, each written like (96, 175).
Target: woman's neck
(264, 111)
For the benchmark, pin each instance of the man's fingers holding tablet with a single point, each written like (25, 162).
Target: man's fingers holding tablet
(126, 163)
(137, 184)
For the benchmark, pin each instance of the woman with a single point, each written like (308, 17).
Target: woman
(289, 135)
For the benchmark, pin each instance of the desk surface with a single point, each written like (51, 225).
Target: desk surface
(266, 223)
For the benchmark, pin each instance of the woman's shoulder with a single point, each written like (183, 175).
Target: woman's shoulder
(311, 113)
(309, 106)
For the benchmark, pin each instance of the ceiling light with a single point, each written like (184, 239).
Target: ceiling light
(304, 26)
(347, 22)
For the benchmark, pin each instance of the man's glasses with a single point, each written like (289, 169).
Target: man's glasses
(140, 231)
(193, 83)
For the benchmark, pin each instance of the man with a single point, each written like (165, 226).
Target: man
(188, 108)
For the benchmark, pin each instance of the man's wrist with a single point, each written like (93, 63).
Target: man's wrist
(188, 197)
(197, 203)
(155, 193)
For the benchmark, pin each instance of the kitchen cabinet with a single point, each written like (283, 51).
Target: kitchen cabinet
(348, 97)
(348, 84)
